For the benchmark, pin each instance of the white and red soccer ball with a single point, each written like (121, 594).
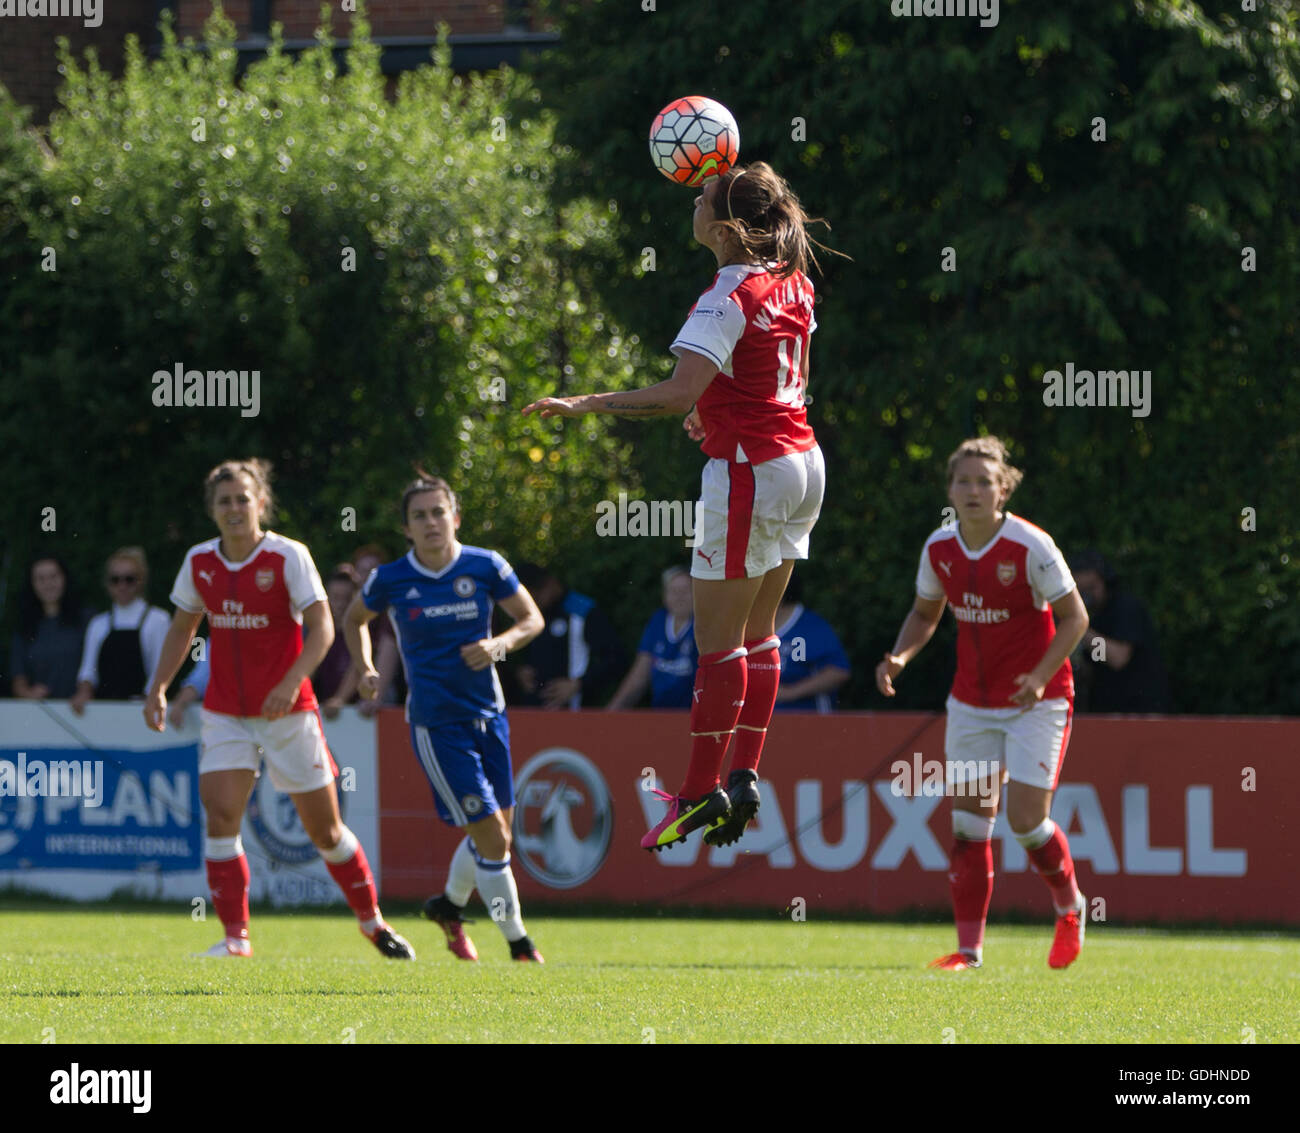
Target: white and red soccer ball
(694, 138)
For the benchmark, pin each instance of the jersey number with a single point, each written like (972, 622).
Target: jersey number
(789, 374)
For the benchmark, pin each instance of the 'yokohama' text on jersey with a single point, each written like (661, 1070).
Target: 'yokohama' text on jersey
(434, 614)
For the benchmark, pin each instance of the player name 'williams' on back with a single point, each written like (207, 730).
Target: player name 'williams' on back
(789, 294)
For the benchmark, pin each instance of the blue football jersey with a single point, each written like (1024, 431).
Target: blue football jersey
(808, 645)
(673, 661)
(434, 614)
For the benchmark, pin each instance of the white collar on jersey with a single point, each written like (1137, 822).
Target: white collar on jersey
(424, 570)
(268, 537)
(997, 534)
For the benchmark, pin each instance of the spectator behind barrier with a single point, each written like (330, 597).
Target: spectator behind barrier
(577, 658)
(46, 648)
(335, 679)
(666, 657)
(383, 642)
(1117, 664)
(122, 646)
(813, 662)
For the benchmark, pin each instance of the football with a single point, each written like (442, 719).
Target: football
(694, 138)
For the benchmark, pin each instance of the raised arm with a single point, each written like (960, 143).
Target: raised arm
(690, 378)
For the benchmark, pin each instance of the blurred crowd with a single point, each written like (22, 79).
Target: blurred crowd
(62, 649)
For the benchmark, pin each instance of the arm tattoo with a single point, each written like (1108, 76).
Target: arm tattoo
(636, 410)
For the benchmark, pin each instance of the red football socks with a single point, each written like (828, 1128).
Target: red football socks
(1056, 867)
(719, 695)
(228, 880)
(971, 883)
(763, 678)
(354, 878)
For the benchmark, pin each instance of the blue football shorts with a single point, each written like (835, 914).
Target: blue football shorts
(468, 766)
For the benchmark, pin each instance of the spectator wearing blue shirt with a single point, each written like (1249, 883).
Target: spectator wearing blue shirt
(666, 658)
(813, 662)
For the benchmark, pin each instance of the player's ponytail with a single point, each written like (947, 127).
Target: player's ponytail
(764, 217)
(259, 471)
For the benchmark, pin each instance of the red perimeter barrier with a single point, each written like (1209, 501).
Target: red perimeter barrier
(1169, 819)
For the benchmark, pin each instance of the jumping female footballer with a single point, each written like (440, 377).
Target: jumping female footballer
(740, 377)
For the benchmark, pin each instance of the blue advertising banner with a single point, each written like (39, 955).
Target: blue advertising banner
(100, 809)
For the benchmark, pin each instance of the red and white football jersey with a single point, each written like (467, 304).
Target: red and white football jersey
(755, 328)
(1001, 596)
(254, 611)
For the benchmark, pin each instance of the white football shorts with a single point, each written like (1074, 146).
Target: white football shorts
(1028, 745)
(294, 745)
(752, 516)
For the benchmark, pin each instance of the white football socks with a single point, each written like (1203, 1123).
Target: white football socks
(496, 885)
(460, 874)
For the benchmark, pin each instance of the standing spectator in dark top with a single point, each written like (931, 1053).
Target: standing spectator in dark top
(46, 649)
(335, 680)
(666, 658)
(813, 662)
(577, 659)
(123, 645)
(1132, 677)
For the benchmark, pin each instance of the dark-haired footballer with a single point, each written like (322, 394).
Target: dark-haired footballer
(439, 598)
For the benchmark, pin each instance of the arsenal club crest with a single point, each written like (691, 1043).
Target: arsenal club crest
(1006, 573)
(265, 579)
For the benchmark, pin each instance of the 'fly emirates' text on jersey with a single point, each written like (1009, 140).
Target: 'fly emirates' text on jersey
(254, 611)
(755, 328)
(1001, 596)
(434, 614)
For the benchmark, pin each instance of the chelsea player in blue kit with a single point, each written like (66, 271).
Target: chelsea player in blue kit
(439, 598)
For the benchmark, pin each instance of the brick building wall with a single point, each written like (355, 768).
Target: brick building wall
(387, 17)
(28, 65)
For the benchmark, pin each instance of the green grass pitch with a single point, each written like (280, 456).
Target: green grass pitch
(106, 974)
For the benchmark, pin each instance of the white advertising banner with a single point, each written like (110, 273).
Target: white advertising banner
(95, 805)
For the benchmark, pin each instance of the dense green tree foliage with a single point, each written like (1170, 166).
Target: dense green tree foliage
(393, 269)
(913, 136)
(1108, 184)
